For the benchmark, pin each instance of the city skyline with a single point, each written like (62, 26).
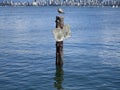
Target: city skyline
(59, 2)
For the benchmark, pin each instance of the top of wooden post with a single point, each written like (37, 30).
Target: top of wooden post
(59, 22)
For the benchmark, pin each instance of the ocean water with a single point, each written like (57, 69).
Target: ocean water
(91, 54)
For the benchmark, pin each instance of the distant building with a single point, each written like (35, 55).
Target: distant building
(59, 2)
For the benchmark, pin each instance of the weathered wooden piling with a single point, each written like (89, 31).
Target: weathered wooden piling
(59, 44)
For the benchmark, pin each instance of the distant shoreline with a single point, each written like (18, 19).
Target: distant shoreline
(114, 6)
(88, 3)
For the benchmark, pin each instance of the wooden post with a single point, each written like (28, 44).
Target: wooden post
(59, 44)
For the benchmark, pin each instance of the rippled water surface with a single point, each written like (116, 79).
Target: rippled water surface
(91, 55)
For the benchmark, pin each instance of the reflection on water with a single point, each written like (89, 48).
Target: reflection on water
(59, 78)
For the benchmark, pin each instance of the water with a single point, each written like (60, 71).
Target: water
(91, 55)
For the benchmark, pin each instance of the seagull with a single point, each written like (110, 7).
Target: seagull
(60, 11)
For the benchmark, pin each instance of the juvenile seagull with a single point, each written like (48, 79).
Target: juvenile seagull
(60, 11)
